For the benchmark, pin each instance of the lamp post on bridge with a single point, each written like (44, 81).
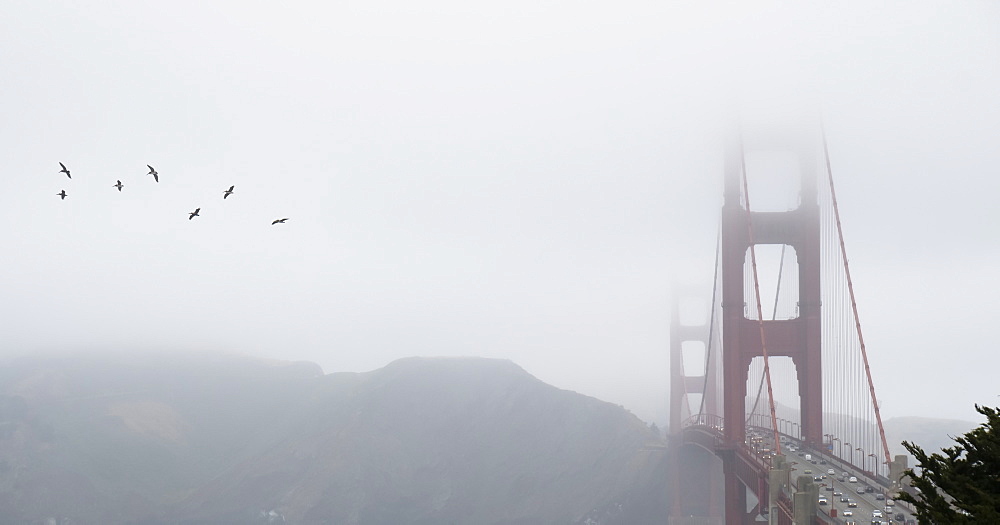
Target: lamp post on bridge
(793, 425)
(840, 447)
(785, 426)
(830, 441)
(874, 464)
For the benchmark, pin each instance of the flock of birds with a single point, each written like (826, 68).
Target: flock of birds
(156, 177)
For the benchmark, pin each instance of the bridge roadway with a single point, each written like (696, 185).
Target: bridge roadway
(838, 490)
(754, 461)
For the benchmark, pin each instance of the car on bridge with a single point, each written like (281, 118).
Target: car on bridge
(852, 479)
(852, 504)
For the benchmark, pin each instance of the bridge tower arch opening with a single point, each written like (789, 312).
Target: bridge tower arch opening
(786, 396)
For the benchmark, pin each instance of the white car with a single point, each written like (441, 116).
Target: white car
(831, 472)
(876, 513)
(852, 479)
(848, 513)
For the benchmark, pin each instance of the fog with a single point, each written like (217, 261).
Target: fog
(523, 180)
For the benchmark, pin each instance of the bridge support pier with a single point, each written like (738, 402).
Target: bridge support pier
(896, 470)
(777, 483)
(736, 491)
(804, 501)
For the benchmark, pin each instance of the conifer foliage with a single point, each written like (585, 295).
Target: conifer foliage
(961, 484)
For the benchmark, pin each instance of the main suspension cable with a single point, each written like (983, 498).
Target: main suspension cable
(711, 324)
(854, 304)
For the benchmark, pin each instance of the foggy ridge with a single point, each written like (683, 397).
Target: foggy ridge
(233, 440)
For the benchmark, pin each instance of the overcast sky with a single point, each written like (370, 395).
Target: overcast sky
(523, 179)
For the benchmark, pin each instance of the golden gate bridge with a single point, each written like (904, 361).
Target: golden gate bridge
(773, 413)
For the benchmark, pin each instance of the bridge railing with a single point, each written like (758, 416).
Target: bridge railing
(715, 425)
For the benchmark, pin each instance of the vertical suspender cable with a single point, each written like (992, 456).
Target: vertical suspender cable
(854, 304)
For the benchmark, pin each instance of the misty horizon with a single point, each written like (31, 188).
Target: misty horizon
(525, 182)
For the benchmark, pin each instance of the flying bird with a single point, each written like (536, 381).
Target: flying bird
(194, 213)
(156, 176)
(118, 185)
(64, 170)
(277, 221)
(228, 192)
(61, 194)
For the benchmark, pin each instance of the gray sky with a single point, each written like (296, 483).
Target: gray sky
(521, 179)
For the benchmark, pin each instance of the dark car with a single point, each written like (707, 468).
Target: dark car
(869, 488)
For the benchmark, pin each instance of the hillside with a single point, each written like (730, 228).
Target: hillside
(231, 440)
(931, 434)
